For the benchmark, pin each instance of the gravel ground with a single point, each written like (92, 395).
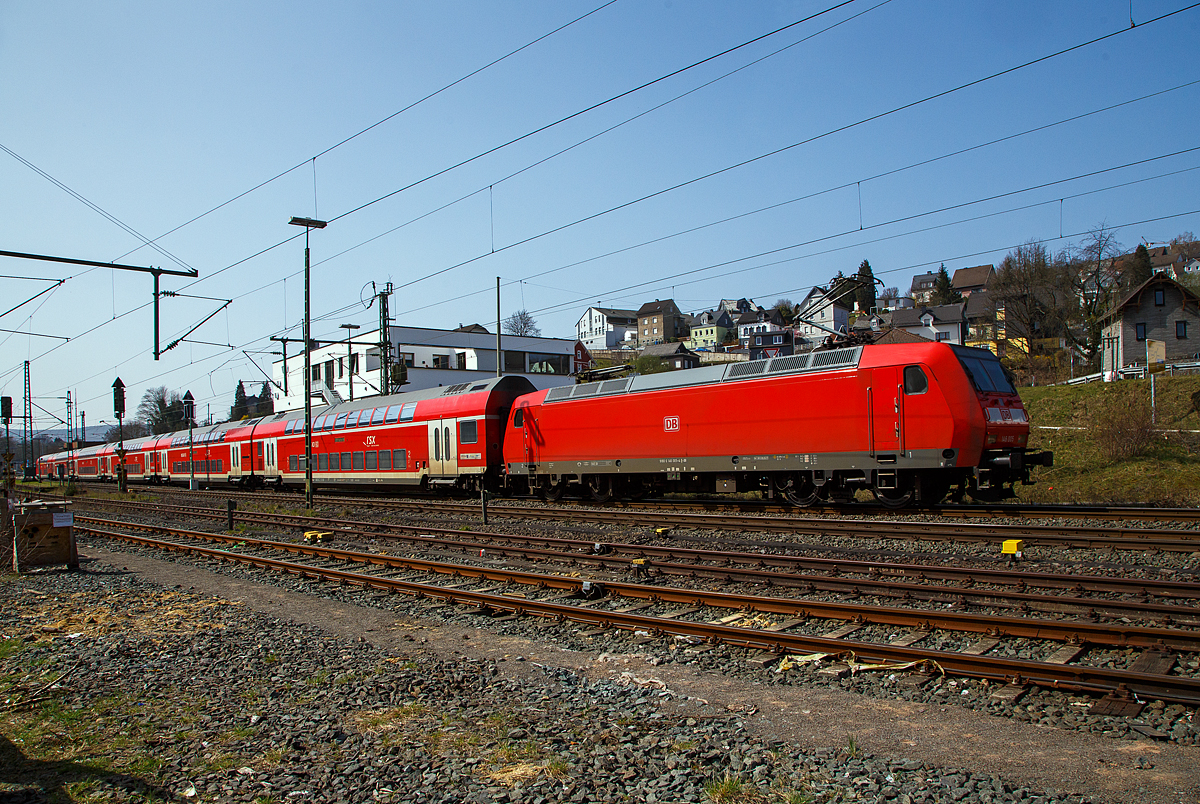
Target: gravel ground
(174, 691)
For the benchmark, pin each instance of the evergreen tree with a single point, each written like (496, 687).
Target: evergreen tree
(943, 290)
(266, 400)
(239, 410)
(864, 297)
(1137, 268)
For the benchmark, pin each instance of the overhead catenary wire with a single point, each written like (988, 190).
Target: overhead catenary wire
(767, 154)
(1174, 12)
(376, 124)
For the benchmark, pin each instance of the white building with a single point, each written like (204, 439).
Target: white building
(433, 357)
(816, 315)
(946, 323)
(607, 328)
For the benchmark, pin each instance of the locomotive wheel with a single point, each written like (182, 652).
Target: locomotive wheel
(553, 493)
(600, 487)
(898, 497)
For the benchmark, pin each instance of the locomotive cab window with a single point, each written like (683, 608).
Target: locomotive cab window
(519, 418)
(986, 374)
(915, 381)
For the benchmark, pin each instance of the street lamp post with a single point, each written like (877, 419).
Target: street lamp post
(350, 356)
(189, 413)
(309, 224)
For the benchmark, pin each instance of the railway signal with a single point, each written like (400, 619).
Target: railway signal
(119, 409)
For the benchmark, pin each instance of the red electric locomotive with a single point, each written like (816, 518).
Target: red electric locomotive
(907, 421)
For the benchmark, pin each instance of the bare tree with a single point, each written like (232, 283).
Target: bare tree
(1025, 296)
(1088, 271)
(161, 410)
(1185, 243)
(130, 429)
(522, 323)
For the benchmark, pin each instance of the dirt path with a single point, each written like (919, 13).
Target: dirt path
(945, 736)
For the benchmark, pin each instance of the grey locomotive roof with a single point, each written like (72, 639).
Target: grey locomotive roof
(829, 360)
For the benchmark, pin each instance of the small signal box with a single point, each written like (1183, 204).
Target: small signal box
(1013, 547)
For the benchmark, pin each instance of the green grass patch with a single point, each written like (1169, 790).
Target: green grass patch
(1167, 472)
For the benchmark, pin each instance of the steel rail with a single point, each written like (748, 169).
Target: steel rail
(969, 577)
(1070, 631)
(1186, 616)
(1095, 680)
(973, 509)
(1076, 536)
(1139, 539)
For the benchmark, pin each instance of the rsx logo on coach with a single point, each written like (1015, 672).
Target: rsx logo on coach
(671, 424)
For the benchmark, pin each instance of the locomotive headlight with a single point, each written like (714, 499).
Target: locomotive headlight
(948, 454)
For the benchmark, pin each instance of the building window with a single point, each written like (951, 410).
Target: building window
(1139, 331)
(777, 339)
(409, 359)
(1181, 329)
(316, 373)
(441, 361)
(943, 336)
(1159, 297)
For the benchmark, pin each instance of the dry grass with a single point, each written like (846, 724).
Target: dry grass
(81, 613)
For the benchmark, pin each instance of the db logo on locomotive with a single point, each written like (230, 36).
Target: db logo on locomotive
(671, 424)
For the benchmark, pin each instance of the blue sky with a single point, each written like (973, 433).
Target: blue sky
(158, 112)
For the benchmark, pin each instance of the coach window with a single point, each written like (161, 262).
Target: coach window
(468, 432)
(385, 459)
(340, 422)
(377, 416)
(399, 459)
(345, 461)
(293, 463)
(335, 463)
(358, 462)
(408, 411)
(519, 418)
(372, 460)
(915, 381)
(393, 413)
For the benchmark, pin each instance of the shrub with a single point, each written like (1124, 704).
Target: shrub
(1119, 423)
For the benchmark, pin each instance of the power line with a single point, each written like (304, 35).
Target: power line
(359, 133)
(768, 154)
(94, 207)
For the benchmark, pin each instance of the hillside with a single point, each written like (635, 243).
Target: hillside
(1100, 419)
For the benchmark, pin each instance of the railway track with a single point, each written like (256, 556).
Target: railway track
(1165, 601)
(1128, 513)
(799, 626)
(1080, 537)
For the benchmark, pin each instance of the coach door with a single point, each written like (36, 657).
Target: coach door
(443, 447)
(887, 410)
